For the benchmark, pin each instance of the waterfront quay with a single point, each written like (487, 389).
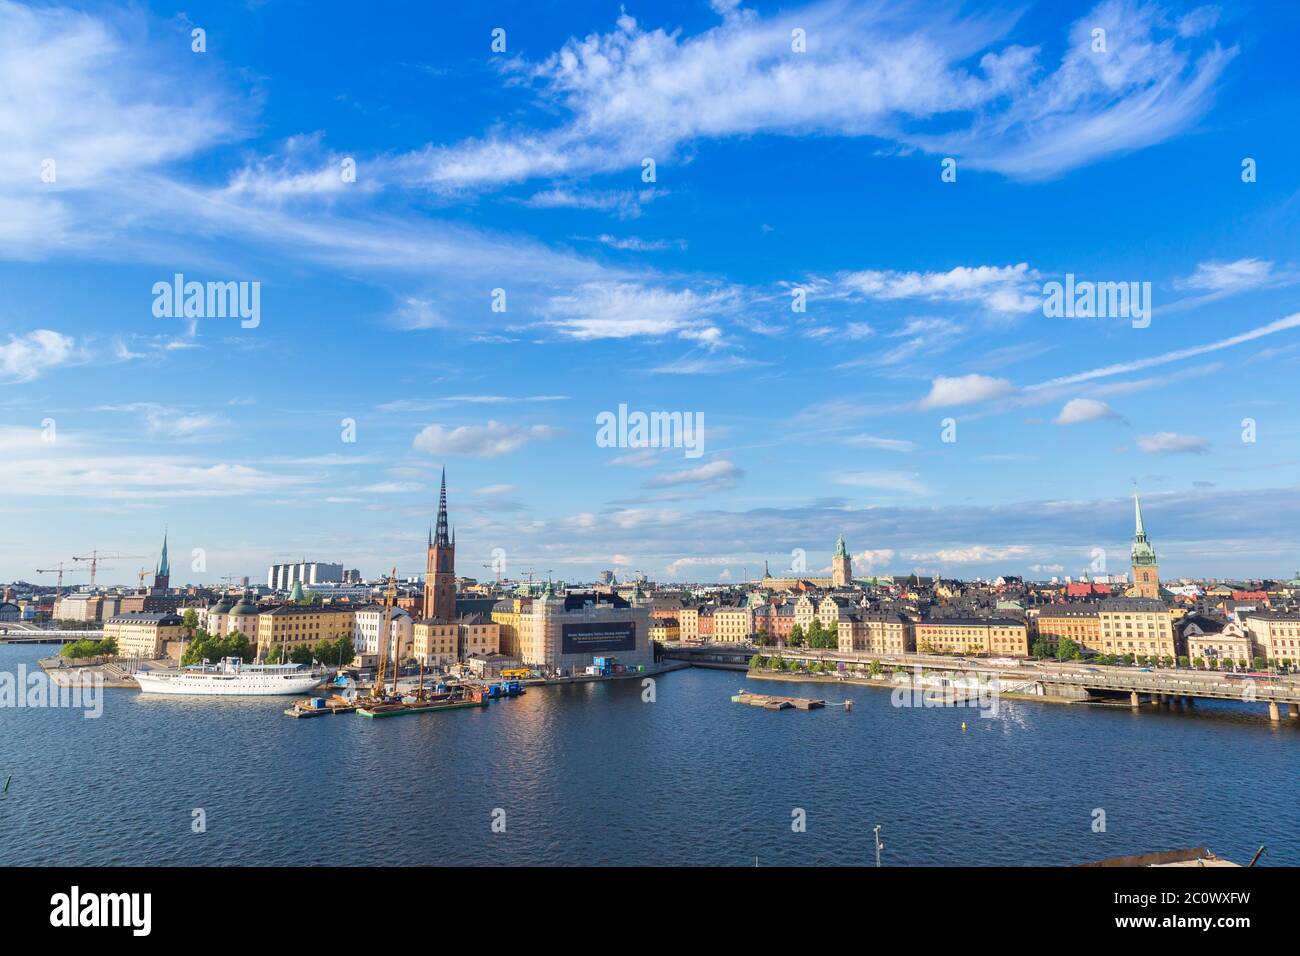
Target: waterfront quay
(1070, 681)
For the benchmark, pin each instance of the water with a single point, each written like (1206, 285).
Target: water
(590, 774)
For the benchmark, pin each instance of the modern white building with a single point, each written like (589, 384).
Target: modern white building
(282, 577)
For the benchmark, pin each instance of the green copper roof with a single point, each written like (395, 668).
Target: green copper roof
(297, 595)
(164, 569)
(1142, 553)
(840, 550)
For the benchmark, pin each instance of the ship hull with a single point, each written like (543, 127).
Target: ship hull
(226, 685)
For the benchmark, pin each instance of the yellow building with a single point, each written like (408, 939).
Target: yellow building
(688, 624)
(733, 625)
(1003, 637)
(875, 632)
(1078, 622)
(478, 635)
(1135, 626)
(437, 643)
(1275, 634)
(290, 626)
(665, 630)
(142, 635)
(505, 614)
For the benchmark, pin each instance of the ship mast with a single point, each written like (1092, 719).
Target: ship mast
(380, 674)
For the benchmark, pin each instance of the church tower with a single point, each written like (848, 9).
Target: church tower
(841, 566)
(1146, 575)
(440, 566)
(163, 575)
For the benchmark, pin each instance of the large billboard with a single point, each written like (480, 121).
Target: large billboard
(598, 638)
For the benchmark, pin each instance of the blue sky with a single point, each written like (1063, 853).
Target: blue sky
(775, 170)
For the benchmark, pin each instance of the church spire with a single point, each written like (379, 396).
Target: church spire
(442, 539)
(164, 569)
(1139, 532)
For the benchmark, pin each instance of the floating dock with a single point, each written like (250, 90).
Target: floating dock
(318, 706)
(771, 702)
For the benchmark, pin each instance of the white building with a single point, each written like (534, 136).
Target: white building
(282, 577)
(365, 632)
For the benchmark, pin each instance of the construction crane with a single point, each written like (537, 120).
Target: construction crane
(58, 590)
(96, 554)
(384, 634)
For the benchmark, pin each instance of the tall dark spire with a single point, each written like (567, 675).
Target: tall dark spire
(442, 539)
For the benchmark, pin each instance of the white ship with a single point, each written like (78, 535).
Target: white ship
(232, 677)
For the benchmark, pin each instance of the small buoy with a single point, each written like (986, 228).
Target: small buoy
(963, 725)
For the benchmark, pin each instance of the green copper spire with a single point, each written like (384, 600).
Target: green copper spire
(164, 569)
(840, 550)
(296, 595)
(1142, 552)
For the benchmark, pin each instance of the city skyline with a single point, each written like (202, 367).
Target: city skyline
(377, 359)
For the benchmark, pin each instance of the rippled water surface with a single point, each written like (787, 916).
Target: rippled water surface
(592, 775)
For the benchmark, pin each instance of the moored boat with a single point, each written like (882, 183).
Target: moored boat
(231, 678)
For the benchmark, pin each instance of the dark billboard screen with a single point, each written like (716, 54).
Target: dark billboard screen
(590, 638)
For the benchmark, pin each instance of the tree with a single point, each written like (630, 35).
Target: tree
(1260, 664)
(1198, 663)
(1068, 650)
(1040, 649)
(796, 636)
(757, 662)
(190, 621)
(875, 668)
(1182, 660)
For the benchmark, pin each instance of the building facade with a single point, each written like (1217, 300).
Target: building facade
(1000, 636)
(143, 635)
(566, 633)
(1132, 625)
(291, 626)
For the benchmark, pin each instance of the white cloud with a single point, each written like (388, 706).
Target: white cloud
(883, 444)
(965, 389)
(1172, 443)
(883, 481)
(1123, 368)
(871, 70)
(616, 310)
(997, 288)
(714, 473)
(1078, 410)
(977, 554)
(479, 441)
(1236, 276)
(867, 560)
(27, 357)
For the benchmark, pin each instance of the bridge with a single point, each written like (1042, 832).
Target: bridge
(1075, 680)
(8, 635)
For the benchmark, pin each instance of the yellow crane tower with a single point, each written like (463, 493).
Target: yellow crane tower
(390, 594)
